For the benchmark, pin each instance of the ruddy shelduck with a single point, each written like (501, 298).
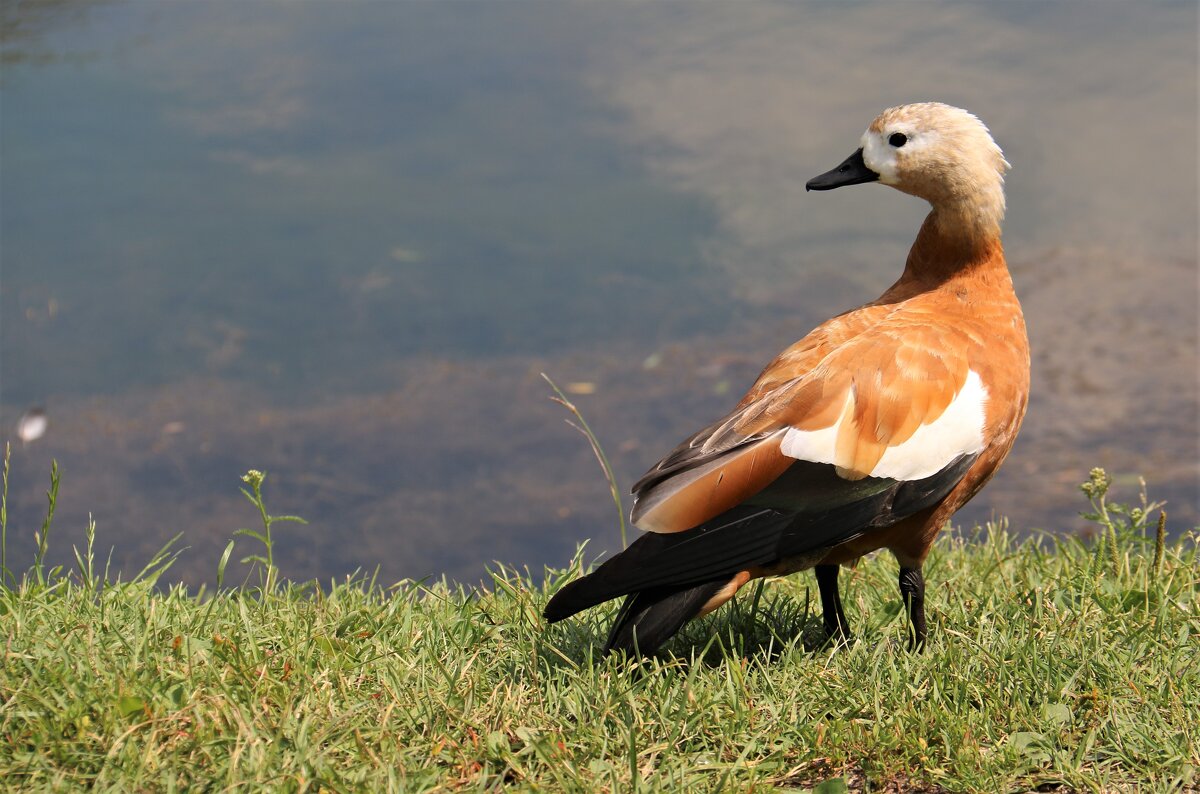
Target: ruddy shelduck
(869, 433)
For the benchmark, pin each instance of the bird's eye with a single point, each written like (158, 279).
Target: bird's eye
(898, 139)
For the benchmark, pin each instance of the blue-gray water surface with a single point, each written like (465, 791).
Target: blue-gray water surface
(339, 242)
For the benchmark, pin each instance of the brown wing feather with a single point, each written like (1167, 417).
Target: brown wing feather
(879, 373)
(752, 419)
(693, 496)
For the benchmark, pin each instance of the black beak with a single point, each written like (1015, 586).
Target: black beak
(853, 171)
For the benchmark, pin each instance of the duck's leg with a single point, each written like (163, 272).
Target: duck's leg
(912, 590)
(836, 626)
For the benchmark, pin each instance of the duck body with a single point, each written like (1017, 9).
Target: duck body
(868, 433)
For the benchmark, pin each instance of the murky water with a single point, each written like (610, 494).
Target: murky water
(338, 242)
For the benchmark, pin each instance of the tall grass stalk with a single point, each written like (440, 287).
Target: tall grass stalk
(4, 572)
(586, 430)
(1160, 542)
(42, 537)
(86, 562)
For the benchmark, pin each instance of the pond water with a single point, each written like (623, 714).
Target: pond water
(339, 242)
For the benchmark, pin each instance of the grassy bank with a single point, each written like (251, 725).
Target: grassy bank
(1062, 664)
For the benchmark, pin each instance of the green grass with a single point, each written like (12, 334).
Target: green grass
(1053, 664)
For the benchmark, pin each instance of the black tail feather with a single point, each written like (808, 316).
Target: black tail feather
(745, 537)
(649, 618)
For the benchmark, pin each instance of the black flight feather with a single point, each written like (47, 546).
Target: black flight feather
(650, 617)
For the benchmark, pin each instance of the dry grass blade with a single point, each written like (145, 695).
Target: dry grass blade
(583, 428)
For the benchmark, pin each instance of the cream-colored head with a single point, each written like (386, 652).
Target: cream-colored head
(940, 153)
(935, 151)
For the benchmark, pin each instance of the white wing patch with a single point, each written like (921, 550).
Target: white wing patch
(819, 446)
(958, 431)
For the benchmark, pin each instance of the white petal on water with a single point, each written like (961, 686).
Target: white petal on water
(32, 425)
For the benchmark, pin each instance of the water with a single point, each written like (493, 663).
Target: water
(339, 242)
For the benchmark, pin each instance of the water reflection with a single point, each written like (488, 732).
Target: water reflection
(339, 246)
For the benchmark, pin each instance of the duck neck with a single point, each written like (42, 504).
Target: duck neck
(955, 239)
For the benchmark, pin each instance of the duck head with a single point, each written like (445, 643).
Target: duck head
(937, 152)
